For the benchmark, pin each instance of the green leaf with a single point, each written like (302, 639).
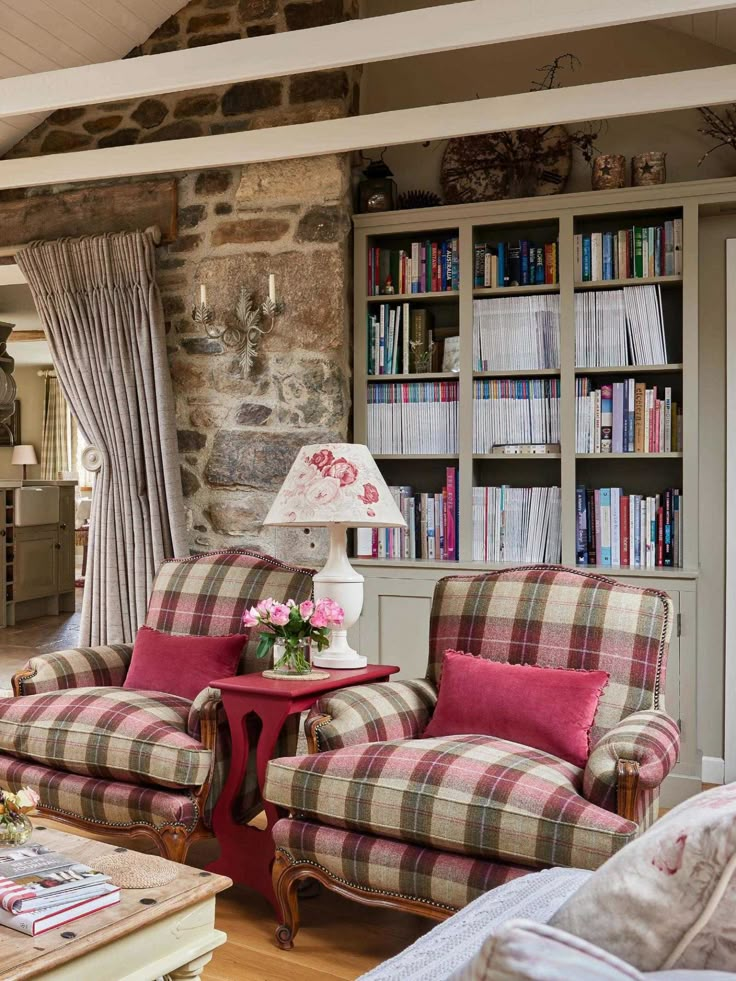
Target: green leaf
(265, 644)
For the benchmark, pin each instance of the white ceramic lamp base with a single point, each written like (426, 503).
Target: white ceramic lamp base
(338, 581)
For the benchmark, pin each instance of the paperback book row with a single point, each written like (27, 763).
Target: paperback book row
(510, 411)
(626, 417)
(628, 530)
(40, 890)
(516, 333)
(516, 524)
(630, 253)
(413, 417)
(620, 327)
(521, 263)
(432, 523)
(401, 340)
(429, 266)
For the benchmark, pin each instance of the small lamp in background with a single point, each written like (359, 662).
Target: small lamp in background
(377, 189)
(24, 456)
(336, 486)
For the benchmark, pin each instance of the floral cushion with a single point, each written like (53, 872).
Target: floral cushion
(669, 900)
(109, 733)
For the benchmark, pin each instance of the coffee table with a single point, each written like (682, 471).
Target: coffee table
(169, 930)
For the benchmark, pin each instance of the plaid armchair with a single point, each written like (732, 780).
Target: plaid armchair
(426, 825)
(128, 762)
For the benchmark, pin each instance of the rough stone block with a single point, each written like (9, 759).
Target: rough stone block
(260, 30)
(103, 124)
(62, 141)
(202, 40)
(207, 415)
(256, 9)
(257, 460)
(196, 105)
(313, 14)
(252, 414)
(323, 224)
(213, 182)
(183, 129)
(169, 28)
(205, 22)
(245, 97)
(150, 113)
(189, 482)
(121, 137)
(246, 231)
(202, 345)
(185, 243)
(301, 181)
(191, 215)
(316, 86)
(189, 440)
(223, 208)
(239, 519)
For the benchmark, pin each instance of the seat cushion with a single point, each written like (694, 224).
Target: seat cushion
(474, 795)
(110, 733)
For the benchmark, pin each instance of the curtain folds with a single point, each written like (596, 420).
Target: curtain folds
(101, 310)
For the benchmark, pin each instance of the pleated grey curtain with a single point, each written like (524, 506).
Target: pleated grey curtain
(101, 310)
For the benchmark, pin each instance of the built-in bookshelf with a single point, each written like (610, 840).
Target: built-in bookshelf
(7, 543)
(538, 349)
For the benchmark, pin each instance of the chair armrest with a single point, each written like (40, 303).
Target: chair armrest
(78, 667)
(370, 714)
(203, 716)
(642, 747)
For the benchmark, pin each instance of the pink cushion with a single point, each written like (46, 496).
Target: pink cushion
(180, 665)
(548, 708)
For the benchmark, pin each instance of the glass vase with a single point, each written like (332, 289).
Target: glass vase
(16, 832)
(292, 659)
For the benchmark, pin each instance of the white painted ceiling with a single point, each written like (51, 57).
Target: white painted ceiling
(716, 28)
(41, 35)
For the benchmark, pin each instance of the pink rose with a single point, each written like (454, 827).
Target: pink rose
(323, 492)
(304, 480)
(264, 608)
(322, 459)
(318, 619)
(250, 617)
(343, 470)
(369, 495)
(330, 612)
(306, 609)
(280, 614)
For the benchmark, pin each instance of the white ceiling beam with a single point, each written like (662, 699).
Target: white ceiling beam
(599, 100)
(417, 32)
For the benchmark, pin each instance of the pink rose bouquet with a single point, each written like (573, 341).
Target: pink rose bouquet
(295, 626)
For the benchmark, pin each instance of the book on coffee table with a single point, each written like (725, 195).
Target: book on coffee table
(37, 923)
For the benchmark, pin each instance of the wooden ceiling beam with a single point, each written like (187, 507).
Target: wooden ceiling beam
(454, 26)
(599, 100)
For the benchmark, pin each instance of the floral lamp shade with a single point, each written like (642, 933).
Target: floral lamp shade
(335, 483)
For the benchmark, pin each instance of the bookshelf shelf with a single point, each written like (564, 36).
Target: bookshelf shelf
(483, 291)
(616, 284)
(534, 373)
(415, 456)
(423, 376)
(517, 456)
(628, 456)
(414, 297)
(633, 369)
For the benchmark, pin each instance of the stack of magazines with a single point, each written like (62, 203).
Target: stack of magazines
(40, 889)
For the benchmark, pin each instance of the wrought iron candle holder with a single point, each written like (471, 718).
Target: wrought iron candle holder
(245, 337)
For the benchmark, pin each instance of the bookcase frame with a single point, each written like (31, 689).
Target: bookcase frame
(566, 210)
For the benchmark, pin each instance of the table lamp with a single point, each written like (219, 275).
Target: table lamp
(24, 456)
(336, 486)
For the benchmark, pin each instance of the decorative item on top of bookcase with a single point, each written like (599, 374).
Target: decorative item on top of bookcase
(244, 339)
(648, 169)
(409, 200)
(377, 189)
(720, 125)
(608, 171)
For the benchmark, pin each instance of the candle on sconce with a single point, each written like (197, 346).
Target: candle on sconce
(202, 295)
(272, 288)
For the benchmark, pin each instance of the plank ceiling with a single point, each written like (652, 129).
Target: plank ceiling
(715, 28)
(41, 35)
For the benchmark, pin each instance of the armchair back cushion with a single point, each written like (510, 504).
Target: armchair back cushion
(206, 595)
(558, 617)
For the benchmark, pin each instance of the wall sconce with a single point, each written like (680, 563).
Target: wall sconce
(245, 338)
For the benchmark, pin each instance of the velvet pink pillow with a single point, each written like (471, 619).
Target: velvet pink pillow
(548, 708)
(181, 665)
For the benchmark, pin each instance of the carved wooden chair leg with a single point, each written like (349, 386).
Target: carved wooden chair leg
(285, 879)
(174, 844)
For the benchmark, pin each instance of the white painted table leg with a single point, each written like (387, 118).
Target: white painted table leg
(191, 971)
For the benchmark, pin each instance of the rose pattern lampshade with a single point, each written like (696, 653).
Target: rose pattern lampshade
(337, 486)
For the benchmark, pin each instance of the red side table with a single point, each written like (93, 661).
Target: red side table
(246, 852)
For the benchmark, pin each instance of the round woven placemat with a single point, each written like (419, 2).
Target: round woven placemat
(131, 870)
(312, 676)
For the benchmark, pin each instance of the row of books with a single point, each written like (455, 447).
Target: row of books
(626, 417)
(516, 524)
(515, 410)
(620, 327)
(630, 253)
(516, 333)
(413, 417)
(41, 889)
(519, 263)
(628, 530)
(432, 522)
(429, 266)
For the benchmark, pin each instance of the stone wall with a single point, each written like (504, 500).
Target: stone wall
(239, 434)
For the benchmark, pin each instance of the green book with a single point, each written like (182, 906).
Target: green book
(638, 254)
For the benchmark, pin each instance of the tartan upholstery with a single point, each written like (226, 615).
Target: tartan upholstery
(108, 733)
(104, 802)
(78, 667)
(562, 618)
(373, 713)
(472, 795)
(650, 739)
(391, 868)
(208, 594)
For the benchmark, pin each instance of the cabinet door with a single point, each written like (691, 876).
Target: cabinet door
(66, 540)
(36, 564)
(394, 626)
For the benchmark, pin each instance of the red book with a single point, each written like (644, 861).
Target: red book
(435, 268)
(624, 522)
(450, 522)
(660, 536)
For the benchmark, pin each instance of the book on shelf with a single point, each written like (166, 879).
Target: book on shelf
(516, 333)
(620, 327)
(402, 340)
(515, 411)
(517, 524)
(414, 417)
(427, 266)
(519, 263)
(626, 417)
(639, 252)
(635, 531)
(432, 526)
(40, 889)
